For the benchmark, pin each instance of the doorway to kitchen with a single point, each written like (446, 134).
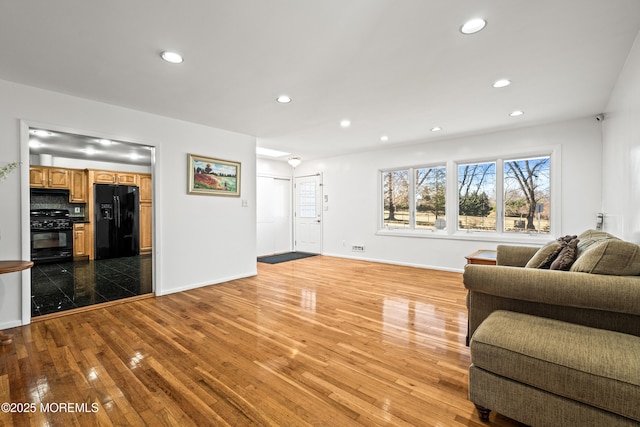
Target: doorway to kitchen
(91, 220)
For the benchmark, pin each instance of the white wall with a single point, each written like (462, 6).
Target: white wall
(352, 186)
(621, 155)
(269, 167)
(200, 240)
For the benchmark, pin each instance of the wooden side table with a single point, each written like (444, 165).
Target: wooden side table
(482, 257)
(12, 267)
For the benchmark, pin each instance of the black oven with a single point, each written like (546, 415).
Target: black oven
(51, 236)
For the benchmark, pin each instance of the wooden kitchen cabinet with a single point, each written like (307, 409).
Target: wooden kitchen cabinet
(146, 212)
(78, 187)
(146, 228)
(48, 177)
(111, 177)
(80, 246)
(146, 188)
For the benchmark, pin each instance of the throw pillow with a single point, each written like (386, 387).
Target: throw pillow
(614, 256)
(545, 255)
(592, 237)
(567, 256)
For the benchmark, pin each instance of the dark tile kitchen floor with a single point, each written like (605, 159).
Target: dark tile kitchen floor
(62, 286)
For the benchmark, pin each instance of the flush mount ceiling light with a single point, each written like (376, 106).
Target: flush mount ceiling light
(173, 57)
(384, 138)
(294, 161)
(436, 129)
(473, 26)
(516, 113)
(283, 99)
(501, 83)
(345, 123)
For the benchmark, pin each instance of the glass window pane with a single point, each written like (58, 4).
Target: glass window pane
(430, 198)
(307, 199)
(477, 196)
(396, 199)
(527, 195)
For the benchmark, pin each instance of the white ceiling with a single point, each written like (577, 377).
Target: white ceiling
(393, 67)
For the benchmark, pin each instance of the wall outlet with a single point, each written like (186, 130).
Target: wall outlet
(357, 248)
(76, 209)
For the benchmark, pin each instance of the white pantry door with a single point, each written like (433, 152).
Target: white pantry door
(273, 212)
(308, 214)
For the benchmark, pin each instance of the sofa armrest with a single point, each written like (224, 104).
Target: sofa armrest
(619, 294)
(515, 256)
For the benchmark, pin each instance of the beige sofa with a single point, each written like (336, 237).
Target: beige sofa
(584, 308)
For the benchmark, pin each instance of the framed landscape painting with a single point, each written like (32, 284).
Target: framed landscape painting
(213, 176)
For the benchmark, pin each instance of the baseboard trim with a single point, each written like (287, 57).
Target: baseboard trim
(405, 264)
(208, 283)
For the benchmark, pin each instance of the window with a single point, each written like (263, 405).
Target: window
(414, 198)
(527, 195)
(396, 199)
(477, 196)
(524, 200)
(503, 197)
(430, 197)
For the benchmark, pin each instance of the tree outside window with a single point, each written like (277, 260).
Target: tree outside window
(430, 197)
(396, 199)
(527, 195)
(477, 196)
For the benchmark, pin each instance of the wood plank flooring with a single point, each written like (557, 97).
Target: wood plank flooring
(320, 341)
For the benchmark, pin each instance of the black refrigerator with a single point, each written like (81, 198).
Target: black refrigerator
(117, 221)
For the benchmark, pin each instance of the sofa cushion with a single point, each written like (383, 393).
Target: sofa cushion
(594, 366)
(545, 255)
(566, 257)
(592, 237)
(610, 256)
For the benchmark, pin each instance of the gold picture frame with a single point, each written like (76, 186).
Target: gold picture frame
(214, 177)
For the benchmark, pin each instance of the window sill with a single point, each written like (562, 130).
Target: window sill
(533, 239)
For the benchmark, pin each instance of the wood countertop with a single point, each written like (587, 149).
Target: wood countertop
(13, 266)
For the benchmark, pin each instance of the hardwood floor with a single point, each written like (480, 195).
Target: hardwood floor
(318, 341)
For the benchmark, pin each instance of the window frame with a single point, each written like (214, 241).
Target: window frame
(411, 170)
(452, 203)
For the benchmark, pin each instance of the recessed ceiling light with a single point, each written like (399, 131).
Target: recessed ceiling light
(174, 58)
(436, 129)
(284, 99)
(516, 113)
(473, 26)
(345, 123)
(501, 83)
(384, 138)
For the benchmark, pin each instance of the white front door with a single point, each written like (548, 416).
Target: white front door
(308, 214)
(273, 212)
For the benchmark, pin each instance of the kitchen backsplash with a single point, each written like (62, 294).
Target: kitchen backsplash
(57, 201)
